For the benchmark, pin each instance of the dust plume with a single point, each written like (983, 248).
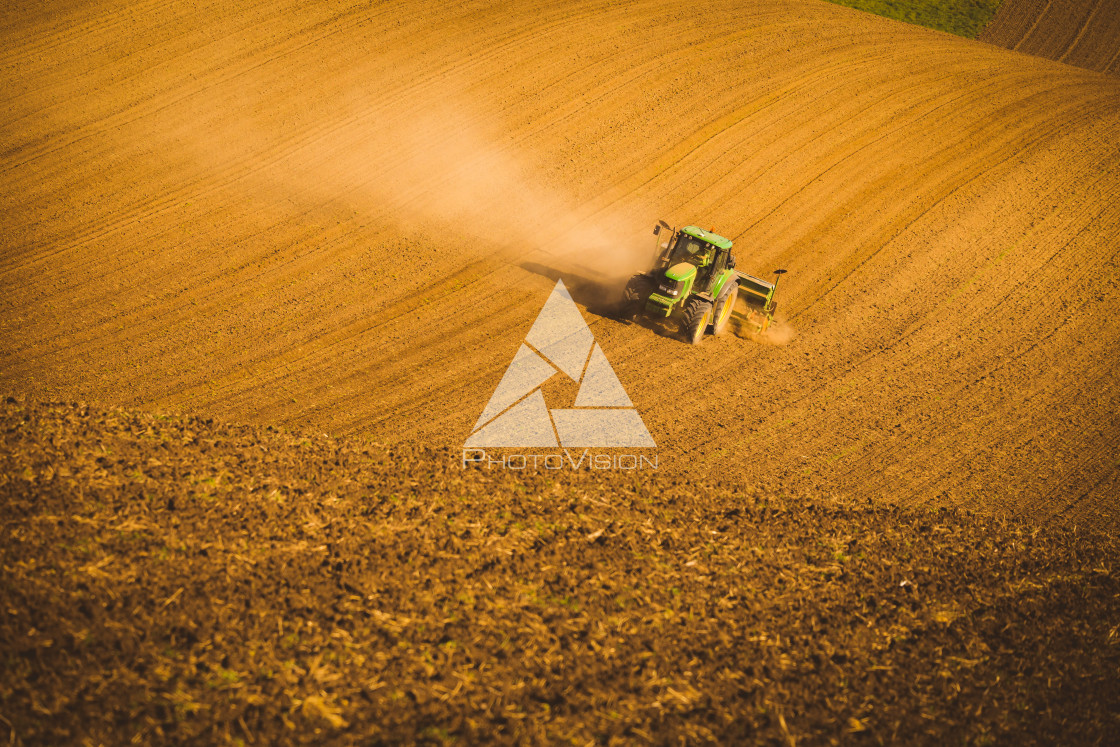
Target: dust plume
(780, 332)
(458, 171)
(433, 161)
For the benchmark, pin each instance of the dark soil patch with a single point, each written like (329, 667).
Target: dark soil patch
(177, 579)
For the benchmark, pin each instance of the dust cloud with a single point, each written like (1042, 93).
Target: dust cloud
(780, 332)
(431, 161)
(458, 172)
(434, 162)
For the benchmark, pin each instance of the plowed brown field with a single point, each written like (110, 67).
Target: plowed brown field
(345, 218)
(1085, 33)
(332, 216)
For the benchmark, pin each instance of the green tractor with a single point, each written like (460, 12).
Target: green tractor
(694, 281)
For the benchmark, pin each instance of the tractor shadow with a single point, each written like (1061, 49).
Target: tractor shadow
(601, 296)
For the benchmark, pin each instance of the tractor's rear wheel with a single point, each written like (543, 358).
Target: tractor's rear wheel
(725, 304)
(697, 317)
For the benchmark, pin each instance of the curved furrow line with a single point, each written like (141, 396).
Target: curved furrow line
(1113, 64)
(969, 170)
(265, 159)
(1030, 31)
(865, 140)
(19, 50)
(792, 144)
(328, 357)
(173, 52)
(1081, 31)
(1085, 33)
(699, 138)
(224, 75)
(1040, 342)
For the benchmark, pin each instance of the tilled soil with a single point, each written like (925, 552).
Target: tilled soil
(344, 217)
(1085, 33)
(179, 579)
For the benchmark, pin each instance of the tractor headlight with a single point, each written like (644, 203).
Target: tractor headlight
(671, 287)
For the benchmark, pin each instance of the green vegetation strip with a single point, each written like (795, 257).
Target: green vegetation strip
(965, 18)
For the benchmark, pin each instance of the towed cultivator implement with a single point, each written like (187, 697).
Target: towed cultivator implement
(758, 305)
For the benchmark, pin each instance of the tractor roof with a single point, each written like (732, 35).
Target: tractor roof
(711, 238)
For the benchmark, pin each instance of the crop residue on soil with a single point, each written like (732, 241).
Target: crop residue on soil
(290, 213)
(168, 579)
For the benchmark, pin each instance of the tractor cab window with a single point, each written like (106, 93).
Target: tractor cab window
(691, 249)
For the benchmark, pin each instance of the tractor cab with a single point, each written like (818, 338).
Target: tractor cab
(693, 249)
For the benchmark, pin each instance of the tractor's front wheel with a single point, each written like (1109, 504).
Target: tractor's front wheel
(697, 317)
(634, 297)
(725, 304)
